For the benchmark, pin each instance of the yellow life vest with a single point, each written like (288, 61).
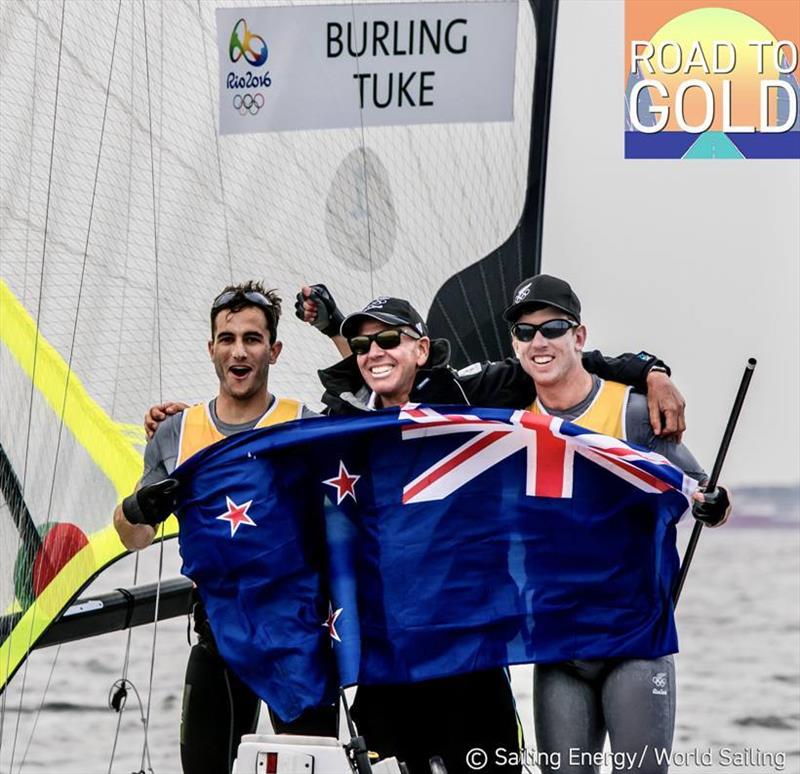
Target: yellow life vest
(198, 429)
(605, 414)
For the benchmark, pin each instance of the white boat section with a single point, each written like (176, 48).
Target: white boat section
(284, 754)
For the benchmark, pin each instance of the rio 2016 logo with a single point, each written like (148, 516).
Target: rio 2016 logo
(252, 48)
(245, 44)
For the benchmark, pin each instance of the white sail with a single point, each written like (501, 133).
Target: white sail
(123, 212)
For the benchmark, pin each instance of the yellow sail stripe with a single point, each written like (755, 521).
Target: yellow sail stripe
(103, 548)
(111, 446)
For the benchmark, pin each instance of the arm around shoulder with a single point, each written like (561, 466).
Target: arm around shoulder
(648, 374)
(500, 384)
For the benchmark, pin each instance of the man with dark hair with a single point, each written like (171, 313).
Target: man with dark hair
(217, 707)
(389, 360)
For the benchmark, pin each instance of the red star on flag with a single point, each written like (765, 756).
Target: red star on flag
(236, 515)
(345, 484)
(330, 624)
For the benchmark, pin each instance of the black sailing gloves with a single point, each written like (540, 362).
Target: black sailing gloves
(328, 317)
(715, 510)
(152, 504)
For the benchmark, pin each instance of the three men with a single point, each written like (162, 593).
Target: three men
(217, 707)
(396, 361)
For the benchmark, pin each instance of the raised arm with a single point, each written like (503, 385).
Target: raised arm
(315, 305)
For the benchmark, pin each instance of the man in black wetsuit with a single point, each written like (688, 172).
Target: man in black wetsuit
(217, 707)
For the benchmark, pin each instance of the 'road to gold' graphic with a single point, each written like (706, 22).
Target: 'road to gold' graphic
(712, 79)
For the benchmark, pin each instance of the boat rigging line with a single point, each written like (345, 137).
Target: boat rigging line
(35, 349)
(156, 219)
(364, 166)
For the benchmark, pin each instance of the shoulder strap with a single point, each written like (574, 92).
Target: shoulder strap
(197, 431)
(281, 410)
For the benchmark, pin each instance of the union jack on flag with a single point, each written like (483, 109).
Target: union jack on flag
(550, 443)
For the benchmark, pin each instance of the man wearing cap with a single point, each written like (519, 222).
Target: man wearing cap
(394, 361)
(577, 702)
(217, 707)
(502, 384)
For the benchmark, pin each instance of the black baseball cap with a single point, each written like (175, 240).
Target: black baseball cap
(392, 311)
(540, 291)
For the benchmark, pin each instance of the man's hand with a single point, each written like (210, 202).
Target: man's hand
(151, 504)
(664, 399)
(316, 305)
(158, 413)
(712, 508)
(134, 537)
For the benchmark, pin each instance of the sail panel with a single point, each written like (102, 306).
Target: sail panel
(113, 246)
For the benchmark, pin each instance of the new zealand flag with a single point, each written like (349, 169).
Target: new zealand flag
(419, 543)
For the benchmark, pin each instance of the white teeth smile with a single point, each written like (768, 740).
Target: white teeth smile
(542, 359)
(381, 370)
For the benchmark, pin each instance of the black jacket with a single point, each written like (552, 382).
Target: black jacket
(502, 384)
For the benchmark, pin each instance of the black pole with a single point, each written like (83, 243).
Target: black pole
(11, 490)
(357, 747)
(716, 470)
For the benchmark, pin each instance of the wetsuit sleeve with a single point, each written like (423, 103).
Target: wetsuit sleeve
(501, 385)
(626, 368)
(161, 452)
(639, 431)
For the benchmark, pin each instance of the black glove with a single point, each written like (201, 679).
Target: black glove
(329, 317)
(153, 503)
(714, 511)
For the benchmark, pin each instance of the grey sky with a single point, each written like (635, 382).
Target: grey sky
(696, 260)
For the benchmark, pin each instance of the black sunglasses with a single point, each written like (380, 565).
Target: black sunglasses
(551, 329)
(234, 297)
(388, 339)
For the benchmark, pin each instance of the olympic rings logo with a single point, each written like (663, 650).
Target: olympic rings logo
(245, 44)
(248, 103)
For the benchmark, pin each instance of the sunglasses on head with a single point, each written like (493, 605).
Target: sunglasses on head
(234, 297)
(388, 339)
(551, 329)
(253, 296)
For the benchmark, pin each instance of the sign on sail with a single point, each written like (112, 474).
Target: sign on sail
(334, 66)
